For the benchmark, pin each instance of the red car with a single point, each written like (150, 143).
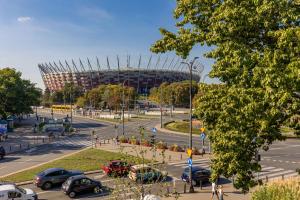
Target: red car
(117, 168)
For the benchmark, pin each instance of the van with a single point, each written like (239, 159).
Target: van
(13, 192)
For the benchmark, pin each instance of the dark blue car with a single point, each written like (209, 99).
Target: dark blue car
(198, 174)
(54, 176)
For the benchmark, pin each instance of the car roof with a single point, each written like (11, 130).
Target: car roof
(50, 170)
(195, 168)
(140, 166)
(6, 187)
(77, 177)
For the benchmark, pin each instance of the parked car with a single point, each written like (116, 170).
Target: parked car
(81, 184)
(198, 174)
(11, 191)
(144, 173)
(116, 168)
(54, 176)
(2, 152)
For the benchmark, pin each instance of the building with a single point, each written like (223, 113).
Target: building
(143, 74)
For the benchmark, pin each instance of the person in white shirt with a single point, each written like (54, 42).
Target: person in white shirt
(214, 191)
(221, 193)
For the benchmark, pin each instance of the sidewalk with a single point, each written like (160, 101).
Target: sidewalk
(170, 158)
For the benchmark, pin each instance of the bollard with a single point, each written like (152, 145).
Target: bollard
(282, 177)
(20, 146)
(200, 184)
(43, 140)
(174, 186)
(169, 157)
(184, 188)
(9, 148)
(180, 156)
(267, 179)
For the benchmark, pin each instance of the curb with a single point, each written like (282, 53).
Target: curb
(172, 132)
(85, 173)
(22, 170)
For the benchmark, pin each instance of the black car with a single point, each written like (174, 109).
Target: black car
(198, 174)
(81, 184)
(2, 152)
(54, 176)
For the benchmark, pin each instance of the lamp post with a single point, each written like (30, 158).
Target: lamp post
(190, 66)
(123, 102)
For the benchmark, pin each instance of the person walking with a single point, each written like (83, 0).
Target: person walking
(214, 191)
(221, 193)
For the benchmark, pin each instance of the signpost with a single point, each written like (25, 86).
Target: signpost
(202, 137)
(189, 152)
(190, 162)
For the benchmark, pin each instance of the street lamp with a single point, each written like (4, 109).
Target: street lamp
(190, 65)
(123, 102)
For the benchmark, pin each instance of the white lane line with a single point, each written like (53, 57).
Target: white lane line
(281, 173)
(2, 167)
(271, 171)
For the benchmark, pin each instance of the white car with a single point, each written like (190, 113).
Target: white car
(13, 192)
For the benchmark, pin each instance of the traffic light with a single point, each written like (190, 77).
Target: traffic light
(152, 139)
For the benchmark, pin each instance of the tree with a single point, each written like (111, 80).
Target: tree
(257, 57)
(16, 94)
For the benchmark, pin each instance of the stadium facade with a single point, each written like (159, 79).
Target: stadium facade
(143, 73)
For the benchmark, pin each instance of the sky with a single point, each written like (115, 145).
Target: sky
(38, 31)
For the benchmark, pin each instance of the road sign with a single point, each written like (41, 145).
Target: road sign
(202, 136)
(190, 162)
(189, 152)
(202, 130)
(154, 130)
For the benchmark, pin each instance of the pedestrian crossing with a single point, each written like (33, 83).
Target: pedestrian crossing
(268, 173)
(73, 142)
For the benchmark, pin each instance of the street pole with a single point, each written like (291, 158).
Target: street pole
(71, 108)
(36, 113)
(161, 118)
(190, 65)
(123, 105)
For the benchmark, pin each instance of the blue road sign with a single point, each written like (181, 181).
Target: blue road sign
(202, 136)
(190, 162)
(154, 130)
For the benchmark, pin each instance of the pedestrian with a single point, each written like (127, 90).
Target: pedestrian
(214, 191)
(221, 193)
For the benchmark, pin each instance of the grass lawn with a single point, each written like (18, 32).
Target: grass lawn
(181, 126)
(87, 160)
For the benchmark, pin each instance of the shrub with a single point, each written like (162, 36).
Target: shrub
(123, 139)
(196, 151)
(176, 148)
(134, 140)
(161, 145)
(146, 143)
(281, 190)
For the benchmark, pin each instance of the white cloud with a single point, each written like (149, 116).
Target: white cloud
(96, 14)
(24, 19)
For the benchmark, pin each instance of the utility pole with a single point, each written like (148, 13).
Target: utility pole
(71, 107)
(190, 65)
(161, 117)
(123, 106)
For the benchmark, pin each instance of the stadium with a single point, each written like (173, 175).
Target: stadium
(142, 73)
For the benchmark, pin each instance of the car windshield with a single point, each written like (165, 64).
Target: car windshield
(21, 190)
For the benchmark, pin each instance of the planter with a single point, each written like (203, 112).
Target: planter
(176, 148)
(161, 145)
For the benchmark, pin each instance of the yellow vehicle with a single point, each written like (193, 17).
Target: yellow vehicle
(66, 108)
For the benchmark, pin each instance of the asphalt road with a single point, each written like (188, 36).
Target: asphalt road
(282, 158)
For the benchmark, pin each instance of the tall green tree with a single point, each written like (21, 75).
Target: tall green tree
(257, 57)
(16, 94)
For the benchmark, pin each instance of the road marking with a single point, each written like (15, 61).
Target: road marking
(43, 192)
(28, 160)
(2, 167)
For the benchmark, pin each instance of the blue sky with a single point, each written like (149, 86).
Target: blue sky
(36, 31)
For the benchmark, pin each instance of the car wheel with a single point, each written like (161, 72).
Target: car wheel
(47, 186)
(72, 194)
(97, 190)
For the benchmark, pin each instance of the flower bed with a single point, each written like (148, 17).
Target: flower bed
(176, 148)
(161, 145)
(123, 139)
